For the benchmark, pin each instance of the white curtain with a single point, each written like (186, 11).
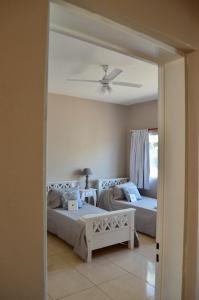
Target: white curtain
(139, 158)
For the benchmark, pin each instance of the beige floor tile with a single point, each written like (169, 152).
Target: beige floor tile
(146, 240)
(70, 257)
(148, 251)
(147, 247)
(50, 250)
(50, 236)
(128, 287)
(71, 278)
(56, 263)
(90, 294)
(99, 270)
(136, 264)
(111, 249)
(58, 246)
(61, 284)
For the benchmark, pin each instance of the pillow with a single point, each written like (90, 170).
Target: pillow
(71, 194)
(64, 202)
(130, 197)
(118, 193)
(131, 188)
(54, 198)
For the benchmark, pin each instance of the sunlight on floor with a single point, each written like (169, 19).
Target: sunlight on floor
(115, 272)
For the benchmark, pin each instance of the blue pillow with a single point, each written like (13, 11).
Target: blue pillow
(71, 194)
(130, 188)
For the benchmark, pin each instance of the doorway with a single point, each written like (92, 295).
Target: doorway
(173, 62)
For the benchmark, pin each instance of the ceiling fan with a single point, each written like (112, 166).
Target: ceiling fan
(107, 80)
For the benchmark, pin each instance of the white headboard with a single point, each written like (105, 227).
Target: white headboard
(62, 184)
(103, 184)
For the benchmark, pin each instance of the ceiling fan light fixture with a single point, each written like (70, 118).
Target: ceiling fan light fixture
(109, 89)
(103, 89)
(108, 79)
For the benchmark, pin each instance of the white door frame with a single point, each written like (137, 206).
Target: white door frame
(171, 212)
(172, 54)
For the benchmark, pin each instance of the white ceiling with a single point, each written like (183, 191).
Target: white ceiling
(72, 58)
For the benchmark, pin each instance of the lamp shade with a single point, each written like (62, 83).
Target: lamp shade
(87, 171)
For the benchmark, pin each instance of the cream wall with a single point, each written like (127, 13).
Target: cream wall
(84, 133)
(23, 31)
(143, 115)
(22, 91)
(192, 208)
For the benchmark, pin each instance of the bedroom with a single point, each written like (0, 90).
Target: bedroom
(90, 129)
(23, 115)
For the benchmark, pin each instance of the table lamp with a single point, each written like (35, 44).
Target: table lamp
(87, 172)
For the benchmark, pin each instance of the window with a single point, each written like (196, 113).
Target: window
(153, 154)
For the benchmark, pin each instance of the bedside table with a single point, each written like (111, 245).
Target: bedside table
(90, 193)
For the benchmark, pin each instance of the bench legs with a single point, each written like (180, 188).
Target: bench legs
(130, 244)
(131, 241)
(89, 257)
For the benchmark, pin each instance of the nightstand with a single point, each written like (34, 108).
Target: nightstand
(91, 194)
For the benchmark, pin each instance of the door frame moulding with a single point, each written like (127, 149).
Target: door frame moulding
(118, 38)
(163, 54)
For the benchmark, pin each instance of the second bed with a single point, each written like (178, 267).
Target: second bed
(146, 208)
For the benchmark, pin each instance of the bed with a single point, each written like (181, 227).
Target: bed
(146, 208)
(90, 227)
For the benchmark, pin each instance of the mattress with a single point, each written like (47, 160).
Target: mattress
(146, 202)
(67, 226)
(145, 215)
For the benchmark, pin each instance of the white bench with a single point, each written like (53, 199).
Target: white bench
(108, 229)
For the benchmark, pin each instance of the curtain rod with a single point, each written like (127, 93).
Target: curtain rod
(152, 129)
(149, 129)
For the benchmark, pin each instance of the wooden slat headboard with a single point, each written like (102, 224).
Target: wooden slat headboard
(62, 185)
(107, 183)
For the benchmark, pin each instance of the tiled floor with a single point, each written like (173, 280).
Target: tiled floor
(115, 272)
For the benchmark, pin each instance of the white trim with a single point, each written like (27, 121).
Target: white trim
(161, 53)
(173, 180)
(98, 42)
(96, 17)
(160, 196)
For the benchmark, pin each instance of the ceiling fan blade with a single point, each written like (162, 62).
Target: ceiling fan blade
(81, 80)
(113, 74)
(135, 85)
